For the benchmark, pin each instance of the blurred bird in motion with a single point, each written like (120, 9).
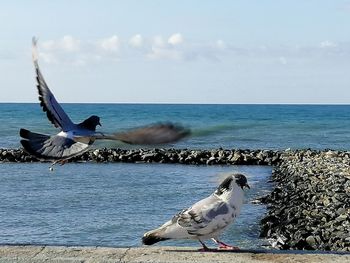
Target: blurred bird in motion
(74, 139)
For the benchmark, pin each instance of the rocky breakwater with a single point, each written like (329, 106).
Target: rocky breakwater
(310, 205)
(182, 156)
(16, 156)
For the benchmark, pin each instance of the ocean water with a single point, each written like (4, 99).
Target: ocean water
(213, 126)
(114, 204)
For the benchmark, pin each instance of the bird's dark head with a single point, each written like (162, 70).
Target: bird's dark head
(241, 181)
(90, 123)
(228, 184)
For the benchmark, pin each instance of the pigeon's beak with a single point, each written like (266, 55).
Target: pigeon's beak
(246, 186)
(99, 123)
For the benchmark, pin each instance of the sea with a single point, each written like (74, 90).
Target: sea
(114, 204)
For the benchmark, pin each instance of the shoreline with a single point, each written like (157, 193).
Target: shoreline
(308, 209)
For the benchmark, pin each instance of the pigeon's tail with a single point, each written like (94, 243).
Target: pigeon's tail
(52, 148)
(32, 135)
(33, 141)
(152, 237)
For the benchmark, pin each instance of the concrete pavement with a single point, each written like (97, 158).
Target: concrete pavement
(28, 253)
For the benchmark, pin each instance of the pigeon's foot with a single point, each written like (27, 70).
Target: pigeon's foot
(205, 248)
(227, 247)
(224, 246)
(62, 162)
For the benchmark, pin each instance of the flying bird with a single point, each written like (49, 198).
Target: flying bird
(74, 139)
(206, 219)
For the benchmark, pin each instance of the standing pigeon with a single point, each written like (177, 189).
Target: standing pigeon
(74, 139)
(207, 218)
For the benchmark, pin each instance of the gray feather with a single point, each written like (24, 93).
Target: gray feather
(48, 102)
(51, 147)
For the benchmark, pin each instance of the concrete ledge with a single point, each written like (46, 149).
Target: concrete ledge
(39, 254)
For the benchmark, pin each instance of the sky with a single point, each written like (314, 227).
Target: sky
(180, 51)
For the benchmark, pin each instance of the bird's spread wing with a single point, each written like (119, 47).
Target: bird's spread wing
(51, 147)
(53, 109)
(198, 218)
(153, 134)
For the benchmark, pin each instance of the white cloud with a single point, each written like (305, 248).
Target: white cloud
(70, 50)
(328, 44)
(48, 58)
(48, 45)
(158, 41)
(220, 44)
(111, 44)
(136, 41)
(68, 43)
(176, 39)
(168, 50)
(165, 53)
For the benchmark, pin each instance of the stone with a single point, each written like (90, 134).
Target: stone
(236, 157)
(311, 241)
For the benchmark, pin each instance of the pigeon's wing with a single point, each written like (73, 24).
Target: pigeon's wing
(55, 147)
(48, 102)
(199, 218)
(153, 134)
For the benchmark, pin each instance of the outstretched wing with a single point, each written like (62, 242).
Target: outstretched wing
(201, 218)
(48, 102)
(153, 134)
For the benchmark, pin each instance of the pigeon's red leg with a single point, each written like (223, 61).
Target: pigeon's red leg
(205, 248)
(223, 245)
(63, 162)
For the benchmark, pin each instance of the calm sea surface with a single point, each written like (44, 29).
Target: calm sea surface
(114, 204)
(213, 126)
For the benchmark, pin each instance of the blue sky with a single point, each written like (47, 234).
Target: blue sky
(178, 51)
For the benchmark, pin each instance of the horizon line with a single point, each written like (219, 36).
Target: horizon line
(194, 103)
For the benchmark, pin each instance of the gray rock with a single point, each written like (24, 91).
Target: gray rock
(309, 201)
